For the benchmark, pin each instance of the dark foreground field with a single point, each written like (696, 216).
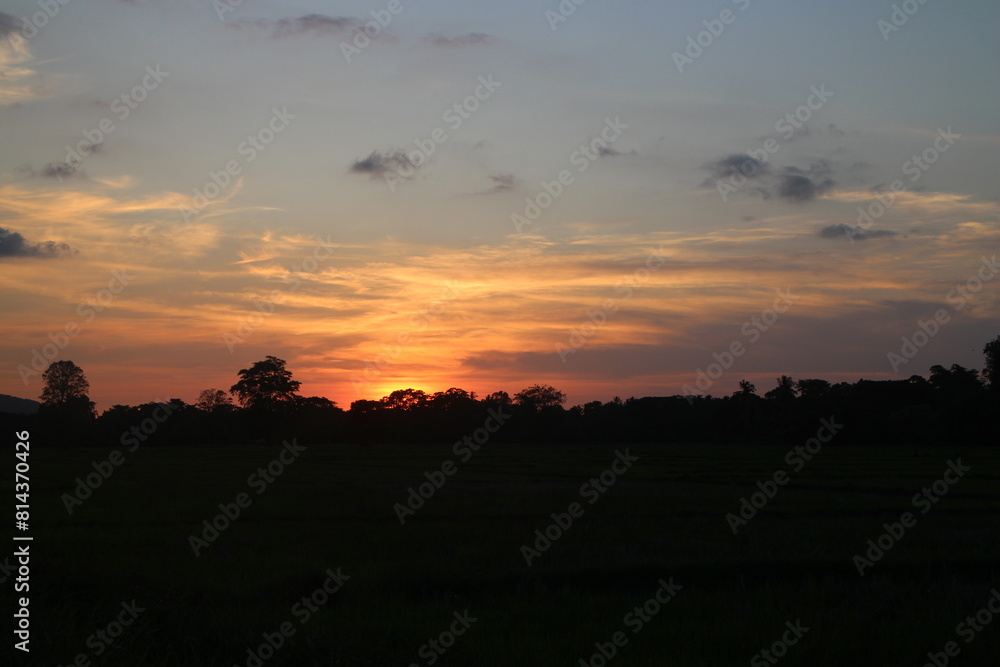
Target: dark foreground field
(332, 509)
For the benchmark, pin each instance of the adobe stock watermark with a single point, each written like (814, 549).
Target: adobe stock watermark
(6, 569)
(40, 19)
(592, 490)
(578, 336)
(915, 168)
(364, 35)
(455, 116)
(752, 329)
(432, 651)
(88, 309)
(779, 649)
(565, 9)
(787, 125)
(122, 107)
(924, 501)
(249, 149)
(259, 481)
(464, 449)
(635, 620)
(968, 630)
(265, 308)
(697, 44)
(797, 459)
(391, 351)
(302, 611)
(103, 470)
(898, 17)
(928, 329)
(223, 7)
(581, 158)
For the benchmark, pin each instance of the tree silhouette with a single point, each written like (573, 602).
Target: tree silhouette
(498, 398)
(67, 414)
(64, 382)
(452, 399)
(991, 371)
(956, 380)
(266, 386)
(366, 407)
(65, 390)
(784, 391)
(953, 404)
(213, 400)
(538, 397)
(812, 389)
(405, 399)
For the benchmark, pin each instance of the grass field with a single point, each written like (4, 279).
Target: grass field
(663, 518)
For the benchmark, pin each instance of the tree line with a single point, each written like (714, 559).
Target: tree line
(951, 405)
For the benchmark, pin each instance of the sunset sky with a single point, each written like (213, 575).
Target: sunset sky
(427, 265)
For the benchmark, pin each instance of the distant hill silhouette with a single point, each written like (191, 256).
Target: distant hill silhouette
(20, 406)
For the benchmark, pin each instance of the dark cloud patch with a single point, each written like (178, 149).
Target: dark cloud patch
(853, 233)
(608, 151)
(502, 183)
(798, 188)
(12, 244)
(816, 170)
(732, 173)
(802, 185)
(310, 23)
(8, 24)
(469, 39)
(58, 170)
(316, 23)
(805, 131)
(379, 163)
(738, 165)
(61, 170)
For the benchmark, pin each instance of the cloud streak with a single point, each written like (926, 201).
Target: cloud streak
(379, 163)
(853, 233)
(469, 39)
(314, 24)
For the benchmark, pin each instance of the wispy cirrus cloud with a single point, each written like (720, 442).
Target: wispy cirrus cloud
(502, 182)
(853, 233)
(737, 164)
(468, 39)
(17, 83)
(313, 24)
